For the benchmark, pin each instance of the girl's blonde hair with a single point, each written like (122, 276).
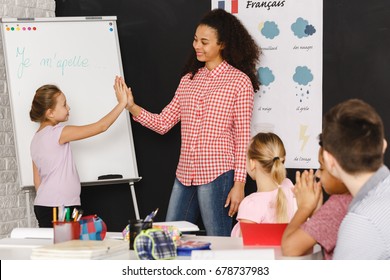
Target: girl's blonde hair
(269, 151)
(45, 98)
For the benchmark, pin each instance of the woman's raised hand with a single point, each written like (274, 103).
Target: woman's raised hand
(129, 94)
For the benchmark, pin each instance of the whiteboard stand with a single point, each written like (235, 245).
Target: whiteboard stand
(119, 181)
(132, 190)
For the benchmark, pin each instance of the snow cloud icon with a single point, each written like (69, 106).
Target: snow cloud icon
(266, 76)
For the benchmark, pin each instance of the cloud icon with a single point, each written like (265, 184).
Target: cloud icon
(302, 28)
(302, 75)
(310, 30)
(270, 30)
(265, 75)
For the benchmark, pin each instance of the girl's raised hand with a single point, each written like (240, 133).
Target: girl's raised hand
(120, 91)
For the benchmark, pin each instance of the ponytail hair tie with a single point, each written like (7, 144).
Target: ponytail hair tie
(275, 159)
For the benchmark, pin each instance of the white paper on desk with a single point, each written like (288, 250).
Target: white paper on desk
(24, 242)
(47, 233)
(42, 233)
(250, 254)
(183, 226)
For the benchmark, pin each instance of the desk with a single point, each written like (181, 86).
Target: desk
(221, 248)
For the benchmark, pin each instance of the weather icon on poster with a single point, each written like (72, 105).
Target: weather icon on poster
(302, 28)
(269, 29)
(266, 78)
(303, 77)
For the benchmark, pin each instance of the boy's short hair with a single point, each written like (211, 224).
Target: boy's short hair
(353, 133)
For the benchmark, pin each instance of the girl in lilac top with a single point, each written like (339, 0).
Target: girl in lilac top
(274, 200)
(55, 175)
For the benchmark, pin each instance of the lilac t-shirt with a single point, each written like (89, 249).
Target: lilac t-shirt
(260, 207)
(60, 182)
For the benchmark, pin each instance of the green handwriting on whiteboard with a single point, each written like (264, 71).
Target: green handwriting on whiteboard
(23, 62)
(76, 61)
(61, 63)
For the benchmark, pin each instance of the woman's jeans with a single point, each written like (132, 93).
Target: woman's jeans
(209, 200)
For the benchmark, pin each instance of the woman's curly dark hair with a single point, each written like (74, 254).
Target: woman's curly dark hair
(240, 50)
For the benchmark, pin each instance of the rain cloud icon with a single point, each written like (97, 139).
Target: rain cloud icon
(302, 75)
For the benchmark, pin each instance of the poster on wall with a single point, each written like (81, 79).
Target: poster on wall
(289, 101)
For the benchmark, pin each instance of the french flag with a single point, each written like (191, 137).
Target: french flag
(234, 6)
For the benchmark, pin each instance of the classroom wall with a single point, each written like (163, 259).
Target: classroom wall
(13, 204)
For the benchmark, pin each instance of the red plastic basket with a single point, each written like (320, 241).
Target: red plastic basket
(262, 234)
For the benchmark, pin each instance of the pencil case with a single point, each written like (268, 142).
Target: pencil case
(92, 227)
(154, 244)
(173, 231)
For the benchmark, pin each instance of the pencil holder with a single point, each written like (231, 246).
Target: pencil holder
(135, 227)
(65, 231)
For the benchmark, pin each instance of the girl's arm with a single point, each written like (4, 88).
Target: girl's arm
(72, 133)
(37, 178)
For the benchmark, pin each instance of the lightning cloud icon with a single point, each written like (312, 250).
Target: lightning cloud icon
(303, 137)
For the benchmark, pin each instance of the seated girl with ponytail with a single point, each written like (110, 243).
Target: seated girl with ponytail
(274, 200)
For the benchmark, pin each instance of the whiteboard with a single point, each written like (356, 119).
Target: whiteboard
(81, 56)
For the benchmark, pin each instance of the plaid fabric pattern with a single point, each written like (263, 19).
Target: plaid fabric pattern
(215, 110)
(154, 244)
(92, 228)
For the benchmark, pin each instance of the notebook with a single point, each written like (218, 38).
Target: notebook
(81, 249)
(262, 234)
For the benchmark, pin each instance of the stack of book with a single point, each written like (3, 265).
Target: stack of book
(81, 249)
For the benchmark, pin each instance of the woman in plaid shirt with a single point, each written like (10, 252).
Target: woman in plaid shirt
(214, 103)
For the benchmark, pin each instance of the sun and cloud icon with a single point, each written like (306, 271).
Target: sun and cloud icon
(269, 29)
(302, 28)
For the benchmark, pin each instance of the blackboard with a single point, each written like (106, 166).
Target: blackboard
(81, 56)
(356, 55)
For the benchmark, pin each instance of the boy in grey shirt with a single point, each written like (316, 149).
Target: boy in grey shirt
(354, 144)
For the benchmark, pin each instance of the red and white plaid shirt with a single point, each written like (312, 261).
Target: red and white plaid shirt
(215, 110)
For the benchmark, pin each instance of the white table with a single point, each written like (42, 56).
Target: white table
(221, 248)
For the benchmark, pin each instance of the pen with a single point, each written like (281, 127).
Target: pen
(54, 214)
(151, 216)
(67, 214)
(80, 214)
(61, 214)
(75, 214)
